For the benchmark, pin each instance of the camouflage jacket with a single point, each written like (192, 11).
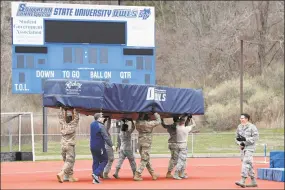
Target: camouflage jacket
(250, 132)
(145, 129)
(68, 129)
(182, 132)
(171, 129)
(125, 139)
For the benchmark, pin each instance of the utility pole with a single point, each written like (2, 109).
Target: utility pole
(242, 39)
(241, 76)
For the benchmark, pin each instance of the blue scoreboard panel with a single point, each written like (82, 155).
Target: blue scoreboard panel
(85, 42)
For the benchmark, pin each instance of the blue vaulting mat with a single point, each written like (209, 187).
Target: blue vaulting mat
(278, 174)
(260, 173)
(277, 163)
(271, 174)
(122, 98)
(277, 159)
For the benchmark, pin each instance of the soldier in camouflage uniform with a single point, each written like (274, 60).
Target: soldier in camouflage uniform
(68, 127)
(182, 130)
(246, 137)
(110, 151)
(125, 147)
(172, 145)
(145, 128)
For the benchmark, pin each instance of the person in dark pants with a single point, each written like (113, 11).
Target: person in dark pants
(98, 137)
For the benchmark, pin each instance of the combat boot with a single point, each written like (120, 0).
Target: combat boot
(72, 179)
(169, 175)
(176, 176)
(154, 176)
(116, 174)
(183, 175)
(253, 183)
(241, 182)
(138, 177)
(105, 175)
(60, 176)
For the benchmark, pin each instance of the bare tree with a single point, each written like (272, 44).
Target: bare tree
(196, 43)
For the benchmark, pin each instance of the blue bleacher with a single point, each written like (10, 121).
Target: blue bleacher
(276, 170)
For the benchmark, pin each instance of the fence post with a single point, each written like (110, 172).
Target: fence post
(33, 136)
(265, 153)
(45, 130)
(10, 138)
(192, 135)
(79, 123)
(20, 130)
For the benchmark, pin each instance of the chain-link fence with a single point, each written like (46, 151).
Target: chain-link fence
(17, 132)
(199, 144)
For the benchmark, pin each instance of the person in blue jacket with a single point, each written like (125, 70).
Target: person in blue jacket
(98, 137)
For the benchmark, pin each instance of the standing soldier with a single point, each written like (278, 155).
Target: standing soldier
(246, 137)
(68, 123)
(172, 145)
(182, 132)
(145, 128)
(125, 147)
(110, 151)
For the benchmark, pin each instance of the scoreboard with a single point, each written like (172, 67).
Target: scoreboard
(81, 42)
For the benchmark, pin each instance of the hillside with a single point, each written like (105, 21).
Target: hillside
(199, 41)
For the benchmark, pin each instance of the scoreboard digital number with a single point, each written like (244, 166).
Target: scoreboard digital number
(85, 42)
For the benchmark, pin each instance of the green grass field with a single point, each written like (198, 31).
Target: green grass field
(203, 143)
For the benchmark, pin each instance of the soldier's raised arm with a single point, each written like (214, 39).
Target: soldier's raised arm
(188, 120)
(75, 116)
(170, 125)
(133, 126)
(61, 116)
(190, 127)
(156, 122)
(163, 124)
(167, 126)
(108, 125)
